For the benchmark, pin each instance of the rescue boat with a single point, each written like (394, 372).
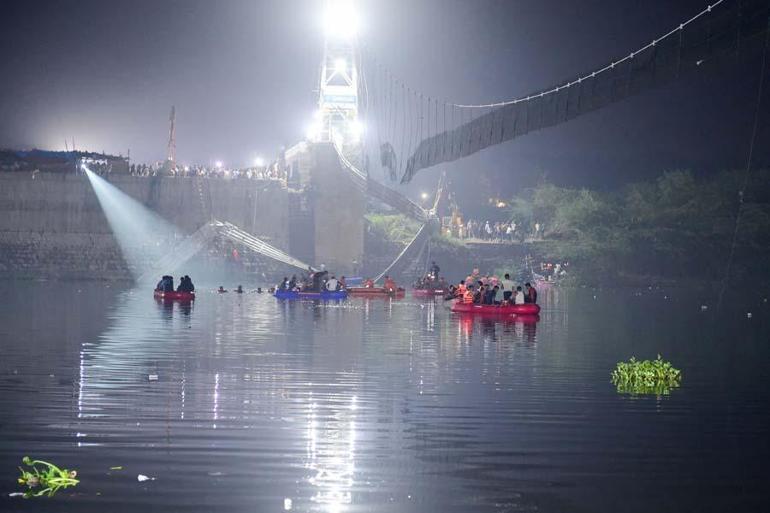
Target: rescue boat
(174, 295)
(325, 294)
(376, 292)
(529, 309)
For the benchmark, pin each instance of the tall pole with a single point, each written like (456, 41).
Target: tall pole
(337, 117)
(171, 156)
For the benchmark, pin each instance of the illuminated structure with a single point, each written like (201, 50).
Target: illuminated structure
(171, 157)
(337, 117)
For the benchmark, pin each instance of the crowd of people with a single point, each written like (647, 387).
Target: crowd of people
(494, 231)
(313, 281)
(432, 280)
(166, 284)
(272, 172)
(490, 290)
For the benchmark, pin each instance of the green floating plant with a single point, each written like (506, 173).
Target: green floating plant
(656, 377)
(43, 478)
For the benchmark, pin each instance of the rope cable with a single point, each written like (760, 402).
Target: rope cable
(747, 173)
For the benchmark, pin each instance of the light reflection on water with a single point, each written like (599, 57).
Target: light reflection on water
(245, 403)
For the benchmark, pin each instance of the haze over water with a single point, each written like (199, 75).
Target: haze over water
(263, 405)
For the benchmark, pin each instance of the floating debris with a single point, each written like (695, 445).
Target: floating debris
(152, 377)
(656, 377)
(45, 478)
(142, 478)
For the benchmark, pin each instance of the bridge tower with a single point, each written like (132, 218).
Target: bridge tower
(171, 154)
(327, 223)
(336, 120)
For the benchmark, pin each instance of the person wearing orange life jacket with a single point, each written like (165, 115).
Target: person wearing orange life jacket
(460, 290)
(390, 285)
(369, 283)
(467, 296)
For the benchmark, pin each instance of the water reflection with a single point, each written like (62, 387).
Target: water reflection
(331, 452)
(244, 403)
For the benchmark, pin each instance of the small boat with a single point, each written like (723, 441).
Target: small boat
(428, 292)
(326, 294)
(527, 309)
(376, 292)
(178, 296)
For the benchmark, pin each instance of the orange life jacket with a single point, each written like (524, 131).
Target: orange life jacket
(468, 297)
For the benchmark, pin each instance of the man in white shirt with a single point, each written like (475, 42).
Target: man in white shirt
(508, 287)
(331, 284)
(519, 298)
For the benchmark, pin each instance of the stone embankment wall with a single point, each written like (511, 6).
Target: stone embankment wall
(52, 225)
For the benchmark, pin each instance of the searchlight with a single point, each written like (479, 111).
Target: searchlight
(340, 19)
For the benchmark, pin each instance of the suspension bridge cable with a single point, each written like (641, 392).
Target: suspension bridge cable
(747, 173)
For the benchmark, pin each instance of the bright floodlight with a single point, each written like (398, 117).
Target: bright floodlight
(313, 131)
(424, 195)
(259, 162)
(218, 164)
(356, 129)
(143, 236)
(340, 19)
(340, 66)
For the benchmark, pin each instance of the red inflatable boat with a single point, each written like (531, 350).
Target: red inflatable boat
(180, 296)
(375, 292)
(528, 309)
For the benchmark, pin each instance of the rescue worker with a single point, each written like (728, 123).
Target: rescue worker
(467, 296)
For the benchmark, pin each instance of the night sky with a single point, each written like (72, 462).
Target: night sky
(242, 76)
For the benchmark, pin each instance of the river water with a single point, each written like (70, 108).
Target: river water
(242, 403)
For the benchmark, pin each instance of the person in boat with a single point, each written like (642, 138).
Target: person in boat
(434, 270)
(390, 284)
(460, 289)
(166, 284)
(221, 289)
(451, 293)
(332, 284)
(489, 295)
(284, 284)
(468, 295)
(185, 285)
(478, 296)
(369, 283)
(508, 287)
(342, 284)
(519, 297)
(239, 290)
(531, 295)
(293, 282)
(499, 296)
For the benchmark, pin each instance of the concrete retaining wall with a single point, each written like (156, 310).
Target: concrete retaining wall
(52, 226)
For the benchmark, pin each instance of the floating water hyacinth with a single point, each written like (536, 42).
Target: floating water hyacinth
(654, 377)
(43, 478)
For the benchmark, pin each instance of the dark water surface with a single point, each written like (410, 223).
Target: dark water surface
(261, 405)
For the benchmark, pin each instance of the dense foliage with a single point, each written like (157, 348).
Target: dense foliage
(677, 227)
(43, 478)
(655, 377)
(392, 227)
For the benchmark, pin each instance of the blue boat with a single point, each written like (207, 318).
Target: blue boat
(326, 294)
